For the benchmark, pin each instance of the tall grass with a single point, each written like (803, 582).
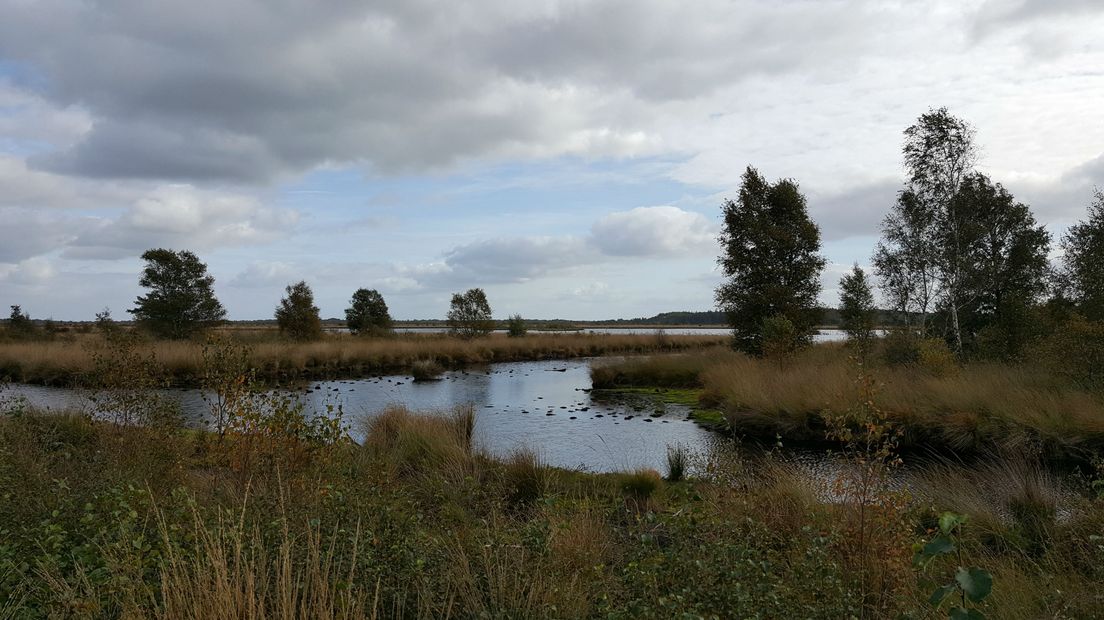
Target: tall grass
(982, 406)
(66, 361)
(112, 521)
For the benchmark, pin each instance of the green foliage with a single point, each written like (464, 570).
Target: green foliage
(105, 324)
(857, 309)
(770, 259)
(1001, 265)
(19, 322)
(900, 347)
(297, 316)
(934, 357)
(181, 298)
(469, 314)
(227, 380)
(128, 385)
(780, 339)
(972, 584)
(1083, 272)
(1075, 349)
(367, 313)
(677, 460)
(515, 326)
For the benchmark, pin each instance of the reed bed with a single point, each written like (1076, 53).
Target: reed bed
(978, 406)
(67, 361)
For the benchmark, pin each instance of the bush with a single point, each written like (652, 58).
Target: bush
(515, 326)
(780, 338)
(426, 370)
(1076, 351)
(901, 347)
(936, 358)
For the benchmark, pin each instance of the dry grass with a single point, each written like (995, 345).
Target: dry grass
(64, 361)
(982, 406)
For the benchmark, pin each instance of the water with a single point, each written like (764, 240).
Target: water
(544, 405)
(824, 335)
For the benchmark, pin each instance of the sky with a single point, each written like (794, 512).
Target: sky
(569, 157)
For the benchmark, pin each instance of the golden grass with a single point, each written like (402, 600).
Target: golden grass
(979, 405)
(64, 361)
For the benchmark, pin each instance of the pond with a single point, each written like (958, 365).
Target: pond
(544, 405)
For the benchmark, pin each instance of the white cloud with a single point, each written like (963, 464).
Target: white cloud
(30, 272)
(655, 231)
(265, 274)
(183, 216)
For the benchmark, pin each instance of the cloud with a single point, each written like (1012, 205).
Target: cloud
(264, 274)
(183, 216)
(643, 232)
(655, 231)
(176, 93)
(31, 272)
(26, 234)
(856, 212)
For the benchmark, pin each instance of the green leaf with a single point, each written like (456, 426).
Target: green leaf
(960, 613)
(976, 583)
(937, 546)
(941, 593)
(948, 521)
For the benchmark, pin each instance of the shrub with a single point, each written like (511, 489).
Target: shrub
(901, 347)
(780, 338)
(426, 370)
(515, 326)
(936, 358)
(677, 458)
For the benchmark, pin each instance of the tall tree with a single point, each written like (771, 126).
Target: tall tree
(1002, 268)
(469, 314)
(857, 309)
(1083, 268)
(297, 316)
(770, 259)
(939, 153)
(367, 313)
(906, 260)
(181, 299)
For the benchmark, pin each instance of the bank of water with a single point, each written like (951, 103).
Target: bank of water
(543, 405)
(547, 406)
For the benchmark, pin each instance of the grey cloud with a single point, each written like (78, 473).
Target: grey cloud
(515, 260)
(248, 91)
(855, 212)
(641, 233)
(26, 234)
(1065, 199)
(166, 216)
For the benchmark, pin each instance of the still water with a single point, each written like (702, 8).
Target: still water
(544, 405)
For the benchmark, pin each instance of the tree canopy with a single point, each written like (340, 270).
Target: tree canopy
(367, 313)
(181, 299)
(469, 314)
(296, 315)
(1084, 261)
(857, 310)
(770, 257)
